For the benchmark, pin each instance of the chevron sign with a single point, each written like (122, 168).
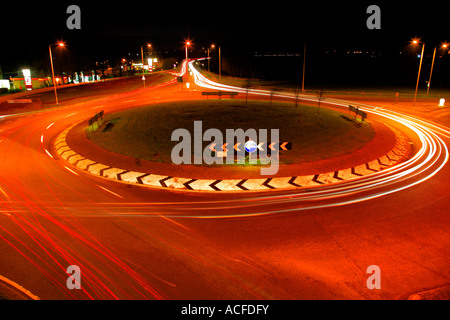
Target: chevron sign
(277, 146)
(273, 146)
(250, 143)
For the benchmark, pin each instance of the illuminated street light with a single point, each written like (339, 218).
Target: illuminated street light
(188, 43)
(212, 47)
(60, 44)
(142, 56)
(416, 41)
(443, 46)
(220, 65)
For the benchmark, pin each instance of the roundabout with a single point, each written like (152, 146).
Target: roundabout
(68, 200)
(384, 171)
(411, 159)
(201, 178)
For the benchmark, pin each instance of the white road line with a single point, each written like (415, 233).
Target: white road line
(110, 191)
(50, 125)
(70, 115)
(71, 171)
(49, 154)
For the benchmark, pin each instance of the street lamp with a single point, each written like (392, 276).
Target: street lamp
(220, 66)
(142, 56)
(212, 47)
(443, 46)
(188, 43)
(60, 44)
(416, 41)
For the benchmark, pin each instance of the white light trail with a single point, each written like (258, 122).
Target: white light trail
(431, 157)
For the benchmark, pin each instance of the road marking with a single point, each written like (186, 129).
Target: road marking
(110, 191)
(49, 154)
(70, 115)
(129, 101)
(49, 125)
(174, 222)
(71, 171)
(3, 191)
(98, 107)
(42, 138)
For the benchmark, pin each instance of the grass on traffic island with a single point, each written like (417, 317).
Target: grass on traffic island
(315, 133)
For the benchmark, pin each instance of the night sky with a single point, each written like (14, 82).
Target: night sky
(116, 28)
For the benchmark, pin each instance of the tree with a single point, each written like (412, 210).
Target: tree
(320, 97)
(297, 92)
(247, 85)
(272, 93)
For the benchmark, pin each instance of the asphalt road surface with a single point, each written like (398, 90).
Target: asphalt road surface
(133, 242)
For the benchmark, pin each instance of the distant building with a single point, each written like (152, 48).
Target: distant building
(19, 83)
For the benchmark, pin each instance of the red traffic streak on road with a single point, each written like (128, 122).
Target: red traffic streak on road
(140, 245)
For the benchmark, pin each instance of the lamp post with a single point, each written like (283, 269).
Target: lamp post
(444, 46)
(188, 43)
(142, 57)
(212, 47)
(220, 66)
(60, 44)
(220, 61)
(415, 41)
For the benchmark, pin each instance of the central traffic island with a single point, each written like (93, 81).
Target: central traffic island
(184, 145)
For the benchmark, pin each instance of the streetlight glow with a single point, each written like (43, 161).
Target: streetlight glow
(416, 41)
(61, 44)
(188, 43)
